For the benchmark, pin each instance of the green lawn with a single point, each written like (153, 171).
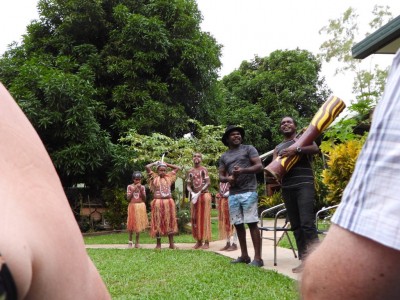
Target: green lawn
(122, 238)
(186, 274)
(182, 274)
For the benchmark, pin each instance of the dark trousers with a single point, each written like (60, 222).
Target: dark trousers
(299, 202)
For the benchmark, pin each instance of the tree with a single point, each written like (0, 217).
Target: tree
(264, 90)
(342, 143)
(62, 107)
(342, 34)
(89, 71)
(206, 140)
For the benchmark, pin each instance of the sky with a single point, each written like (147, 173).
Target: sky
(246, 28)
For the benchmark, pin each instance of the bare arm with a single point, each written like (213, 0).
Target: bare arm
(143, 193)
(275, 154)
(292, 150)
(129, 193)
(348, 266)
(173, 167)
(150, 165)
(256, 167)
(225, 177)
(207, 183)
(189, 183)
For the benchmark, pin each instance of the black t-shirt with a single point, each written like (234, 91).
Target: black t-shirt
(301, 172)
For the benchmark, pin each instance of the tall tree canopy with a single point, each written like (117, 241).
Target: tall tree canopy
(89, 71)
(262, 91)
(369, 79)
(342, 35)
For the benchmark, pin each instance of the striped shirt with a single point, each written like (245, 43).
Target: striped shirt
(370, 205)
(301, 173)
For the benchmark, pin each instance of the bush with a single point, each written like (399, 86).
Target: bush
(117, 207)
(321, 190)
(340, 167)
(183, 216)
(84, 224)
(270, 201)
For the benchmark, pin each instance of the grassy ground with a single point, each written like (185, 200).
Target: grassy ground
(122, 238)
(186, 274)
(182, 274)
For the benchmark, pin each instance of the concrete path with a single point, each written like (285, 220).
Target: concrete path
(285, 258)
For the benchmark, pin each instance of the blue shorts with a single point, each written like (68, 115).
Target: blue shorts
(243, 208)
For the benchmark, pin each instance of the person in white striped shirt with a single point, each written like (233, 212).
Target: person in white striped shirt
(360, 256)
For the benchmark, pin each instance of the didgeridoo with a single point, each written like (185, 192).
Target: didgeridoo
(327, 113)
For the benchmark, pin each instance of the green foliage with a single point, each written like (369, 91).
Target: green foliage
(89, 71)
(270, 201)
(341, 163)
(164, 66)
(262, 91)
(206, 140)
(342, 36)
(183, 216)
(186, 274)
(342, 131)
(84, 224)
(117, 207)
(346, 128)
(318, 166)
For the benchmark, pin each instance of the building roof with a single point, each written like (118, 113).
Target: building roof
(386, 40)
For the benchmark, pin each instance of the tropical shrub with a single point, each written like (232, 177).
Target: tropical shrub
(117, 207)
(340, 167)
(318, 165)
(270, 201)
(183, 216)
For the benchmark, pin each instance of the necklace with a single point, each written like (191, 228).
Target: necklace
(165, 189)
(135, 192)
(197, 180)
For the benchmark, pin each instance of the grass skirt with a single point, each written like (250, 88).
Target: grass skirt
(137, 217)
(163, 217)
(201, 218)
(225, 229)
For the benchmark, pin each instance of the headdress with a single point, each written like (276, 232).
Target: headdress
(162, 163)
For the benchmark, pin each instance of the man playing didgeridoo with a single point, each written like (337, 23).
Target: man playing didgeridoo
(298, 189)
(163, 213)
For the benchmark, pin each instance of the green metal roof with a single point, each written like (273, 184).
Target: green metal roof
(386, 40)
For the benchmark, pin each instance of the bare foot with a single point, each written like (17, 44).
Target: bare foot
(233, 247)
(158, 247)
(299, 268)
(225, 247)
(198, 245)
(129, 244)
(137, 246)
(173, 247)
(205, 246)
